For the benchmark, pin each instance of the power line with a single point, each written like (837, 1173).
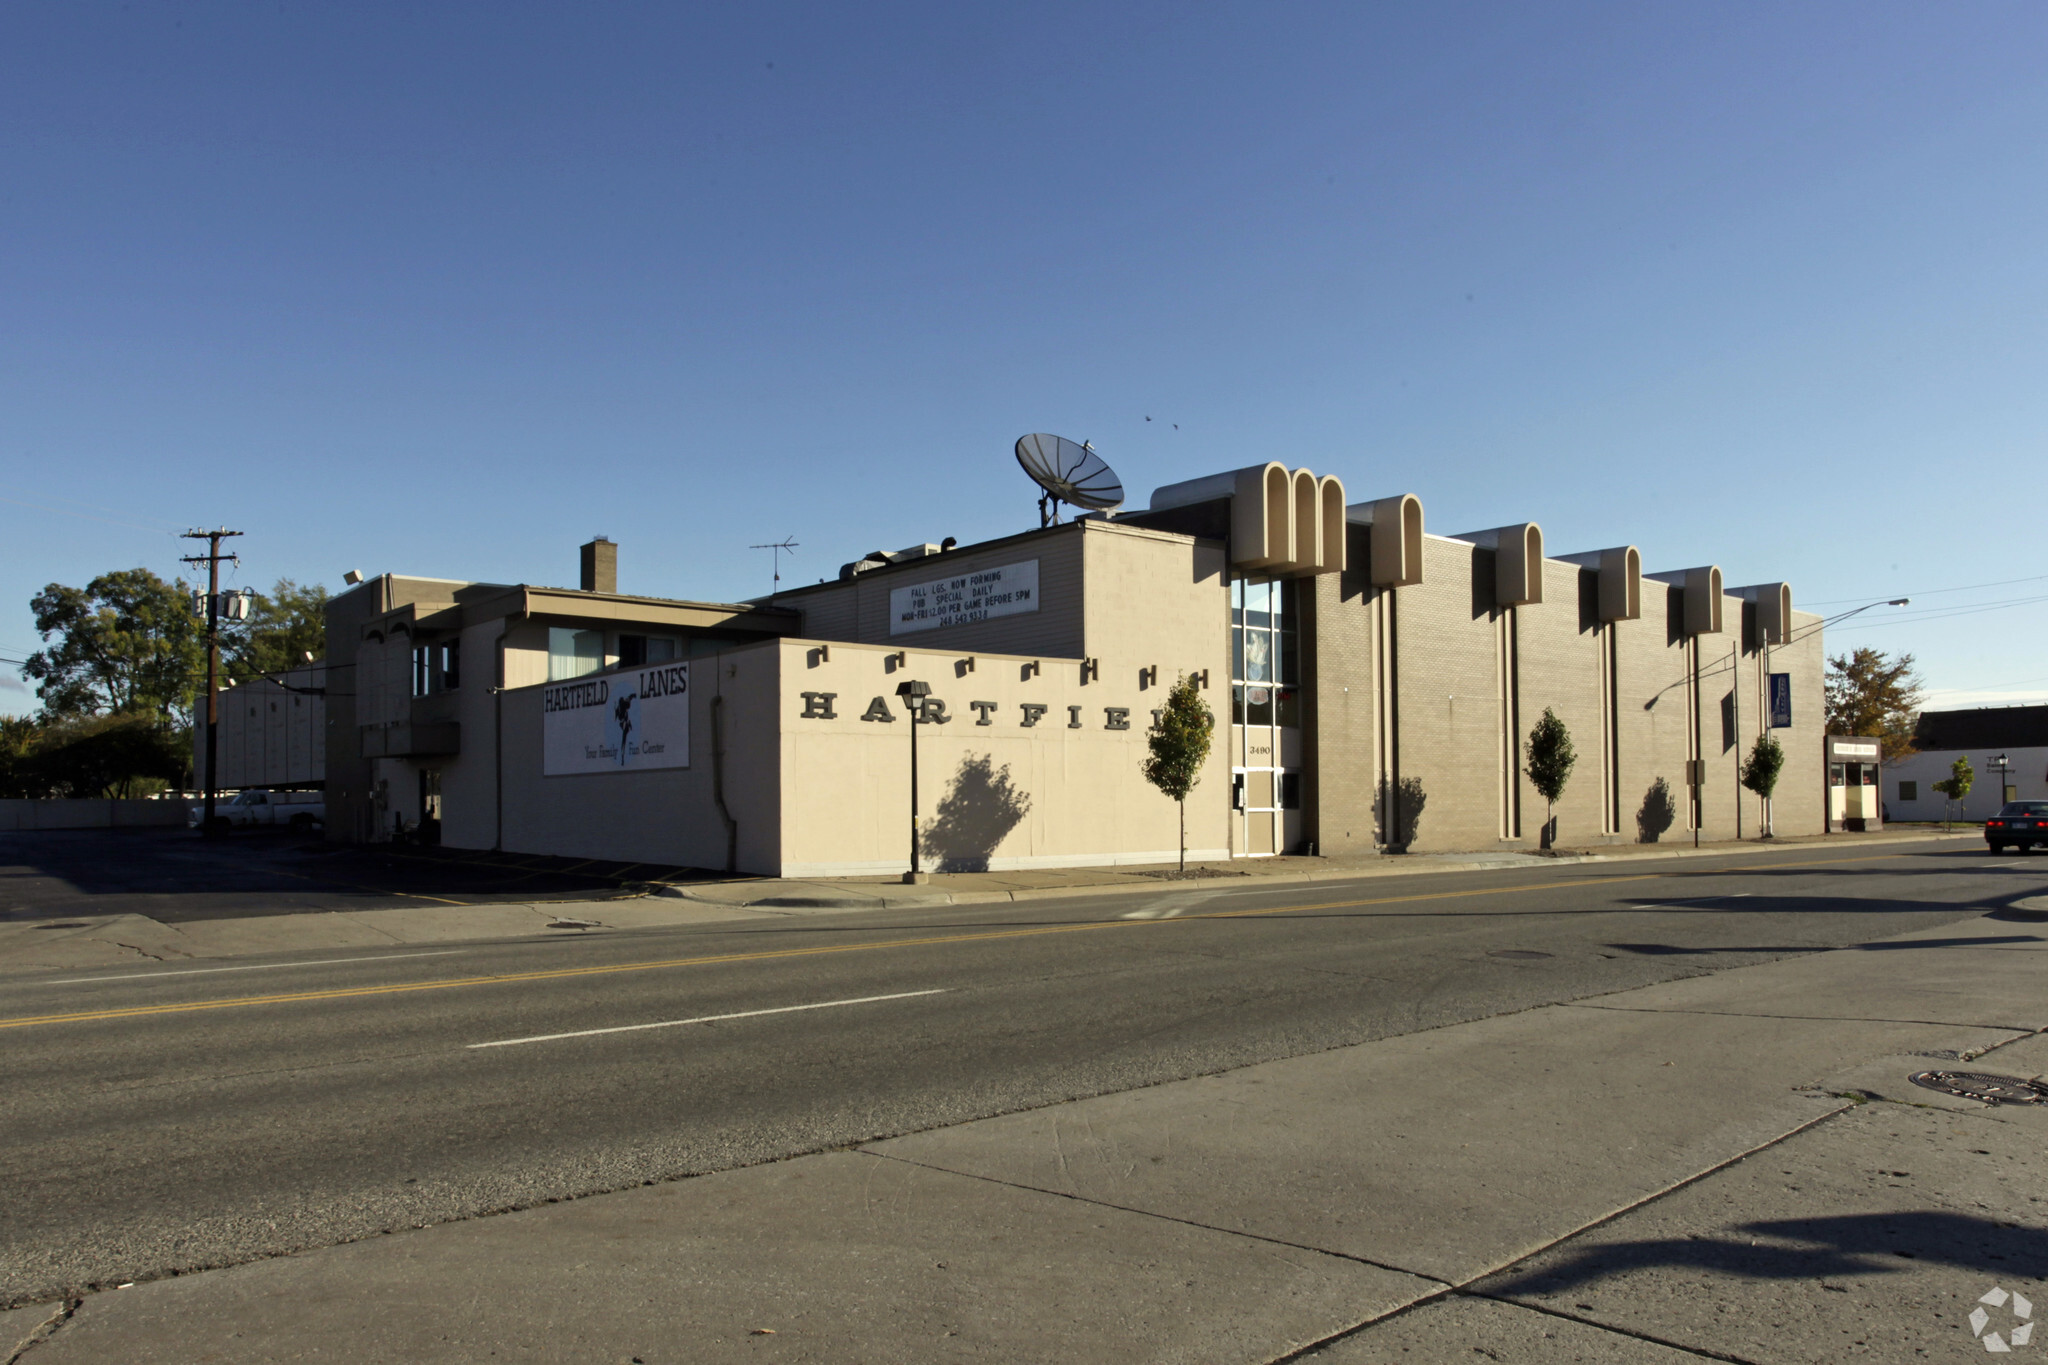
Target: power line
(87, 516)
(1914, 618)
(1929, 592)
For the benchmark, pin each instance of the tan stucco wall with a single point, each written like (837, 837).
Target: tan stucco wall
(996, 795)
(665, 815)
(859, 610)
(1155, 598)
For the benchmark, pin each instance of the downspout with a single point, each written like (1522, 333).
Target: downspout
(498, 732)
(732, 827)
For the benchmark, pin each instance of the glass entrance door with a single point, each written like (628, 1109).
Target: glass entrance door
(1265, 718)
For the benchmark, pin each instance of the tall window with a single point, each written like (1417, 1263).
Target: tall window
(1265, 668)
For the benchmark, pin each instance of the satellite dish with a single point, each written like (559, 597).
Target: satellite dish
(1068, 473)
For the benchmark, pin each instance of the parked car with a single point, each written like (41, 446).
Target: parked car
(251, 809)
(2018, 824)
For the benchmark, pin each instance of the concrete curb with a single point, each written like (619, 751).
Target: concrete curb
(1399, 865)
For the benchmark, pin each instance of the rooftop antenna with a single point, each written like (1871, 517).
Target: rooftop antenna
(1068, 473)
(777, 546)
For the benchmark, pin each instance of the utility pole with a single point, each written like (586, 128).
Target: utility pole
(212, 560)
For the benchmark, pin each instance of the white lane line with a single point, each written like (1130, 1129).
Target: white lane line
(709, 1018)
(258, 967)
(1694, 900)
(1171, 907)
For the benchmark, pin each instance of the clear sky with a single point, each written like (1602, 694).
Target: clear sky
(446, 289)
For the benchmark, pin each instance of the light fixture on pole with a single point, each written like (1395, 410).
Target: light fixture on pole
(913, 694)
(2003, 767)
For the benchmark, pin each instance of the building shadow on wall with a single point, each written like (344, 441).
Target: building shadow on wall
(1659, 812)
(1397, 811)
(980, 809)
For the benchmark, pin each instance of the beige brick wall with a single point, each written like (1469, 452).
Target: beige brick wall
(1799, 806)
(1653, 718)
(1448, 691)
(1560, 641)
(1341, 716)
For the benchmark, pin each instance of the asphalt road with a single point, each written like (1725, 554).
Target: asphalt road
(169, 1119)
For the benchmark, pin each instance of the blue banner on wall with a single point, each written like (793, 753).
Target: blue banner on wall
(1781, 700)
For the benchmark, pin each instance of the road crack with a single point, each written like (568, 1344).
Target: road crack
(44, 1330)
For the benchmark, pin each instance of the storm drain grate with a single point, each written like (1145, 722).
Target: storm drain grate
(1977, 1085)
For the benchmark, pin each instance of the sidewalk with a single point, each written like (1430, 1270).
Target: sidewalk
(1726, 1167)
(83, 943)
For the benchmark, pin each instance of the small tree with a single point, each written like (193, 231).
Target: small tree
(1961, 777)
(1179, 746)
(1760, 772)
(1551, 757)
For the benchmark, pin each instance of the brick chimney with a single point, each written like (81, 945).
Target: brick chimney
(600, 566)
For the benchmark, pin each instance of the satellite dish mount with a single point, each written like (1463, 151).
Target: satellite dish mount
(1069, 473)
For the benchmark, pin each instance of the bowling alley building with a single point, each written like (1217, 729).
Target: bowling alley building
(1373, 683)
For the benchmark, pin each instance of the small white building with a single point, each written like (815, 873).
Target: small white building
(273, 732)
(2017, 734)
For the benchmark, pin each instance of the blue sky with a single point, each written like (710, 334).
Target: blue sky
(448, 289)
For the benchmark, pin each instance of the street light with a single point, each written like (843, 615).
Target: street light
(2004, 768)
(913, 694)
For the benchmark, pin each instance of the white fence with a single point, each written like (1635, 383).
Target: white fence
(91, 813)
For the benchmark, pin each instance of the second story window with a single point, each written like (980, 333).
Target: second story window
(436, 667)
(572, 653)
(646, 649)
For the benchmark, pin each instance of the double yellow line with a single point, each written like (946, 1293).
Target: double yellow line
(564, 973)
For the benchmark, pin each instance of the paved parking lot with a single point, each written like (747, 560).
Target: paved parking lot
(175, 876)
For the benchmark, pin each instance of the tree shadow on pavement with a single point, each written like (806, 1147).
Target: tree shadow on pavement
(1807, 1249)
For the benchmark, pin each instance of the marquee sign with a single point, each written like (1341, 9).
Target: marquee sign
(636, 718)
(980, 595)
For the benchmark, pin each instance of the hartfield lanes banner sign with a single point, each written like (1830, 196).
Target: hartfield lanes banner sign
(632, 719)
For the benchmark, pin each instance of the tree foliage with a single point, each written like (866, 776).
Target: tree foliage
(1961, 777)
(126, 643)
(1873, 694)
(1766, 760)
(284, 626)
(121, 756)
(1179, 746)
(1550, 759)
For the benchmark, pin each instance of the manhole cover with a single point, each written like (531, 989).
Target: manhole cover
(1976, 1085)
(1517, 954)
